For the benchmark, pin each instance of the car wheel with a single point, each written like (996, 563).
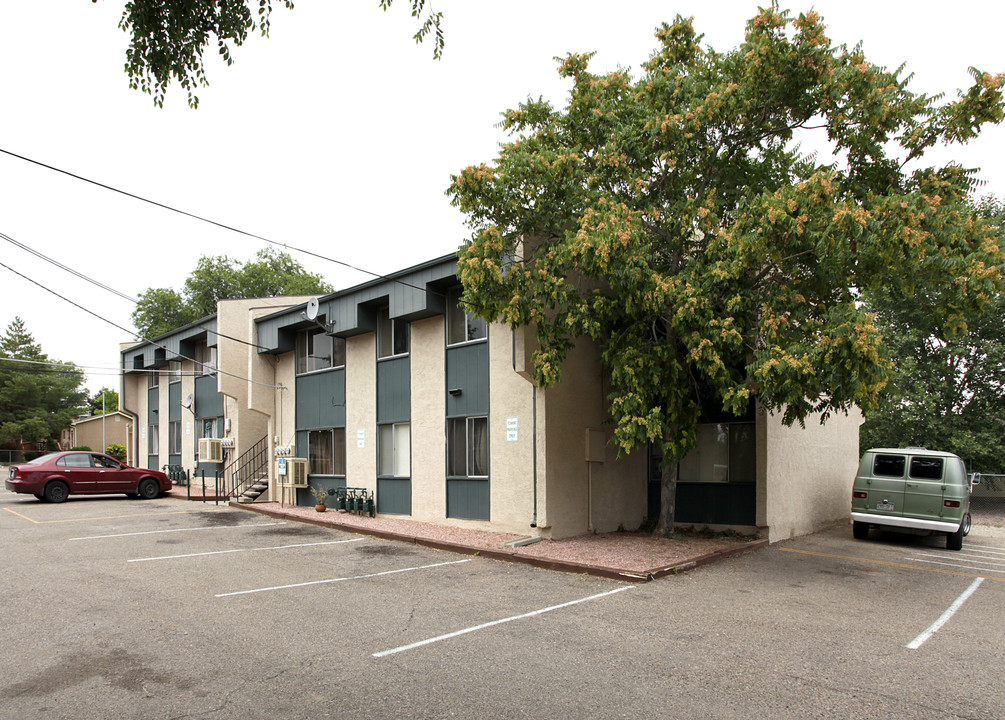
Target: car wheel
(860, 530)
(148, 489)
(39, 496)
(57, 491)
(966, 524)
(954, 540)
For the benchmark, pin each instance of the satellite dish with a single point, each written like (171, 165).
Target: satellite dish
(187, 403)
(313, 307)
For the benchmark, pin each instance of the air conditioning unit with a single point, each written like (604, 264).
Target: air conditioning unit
(210, 450)
(296, 472)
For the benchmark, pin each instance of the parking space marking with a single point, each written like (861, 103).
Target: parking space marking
(107, 517)
(240, 550)
(987, 564)
(173, 530)
(946, 616)
(493, 623)
(342, 579)
(886, 562)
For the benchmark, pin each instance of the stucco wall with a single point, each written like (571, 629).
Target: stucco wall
(428, 404)
(361, 411)
(809, 473)
(101, 431)
(282, 427)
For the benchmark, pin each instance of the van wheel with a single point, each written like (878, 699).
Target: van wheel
(860, 530)
(966, 524)
(954, 540)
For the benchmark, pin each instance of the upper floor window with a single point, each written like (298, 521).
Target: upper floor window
(317, 350)
(392, 335)
(205, 359)
(174, 371)
(153, 378)
(462, 326)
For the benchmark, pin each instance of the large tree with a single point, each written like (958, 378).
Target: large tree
(38, 396)
(947, 391)
(161, 310)
(673, 220)
(168, 37)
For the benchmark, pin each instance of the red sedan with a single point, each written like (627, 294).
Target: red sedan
(56, 476)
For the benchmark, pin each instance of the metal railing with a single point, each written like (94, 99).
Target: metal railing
(246, 470)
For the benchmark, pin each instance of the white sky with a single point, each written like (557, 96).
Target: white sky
(337, 134)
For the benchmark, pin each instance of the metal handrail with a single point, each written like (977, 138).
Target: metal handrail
(244, 471)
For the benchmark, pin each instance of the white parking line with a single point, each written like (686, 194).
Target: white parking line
(960, 565)
(454, 634)
(945, 617)
(342, 579)
(155, 532)
(238, 550)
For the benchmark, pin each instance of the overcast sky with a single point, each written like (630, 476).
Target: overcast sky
(337, 134)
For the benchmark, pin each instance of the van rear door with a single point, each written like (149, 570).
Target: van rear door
(925, 488)
(886, 485)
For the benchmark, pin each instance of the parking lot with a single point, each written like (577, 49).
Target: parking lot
(165, 609)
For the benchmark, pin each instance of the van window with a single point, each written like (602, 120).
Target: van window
(926, 468)
(889, 465)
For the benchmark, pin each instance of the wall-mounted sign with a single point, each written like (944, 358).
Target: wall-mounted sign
(512, 429)
(361, 439)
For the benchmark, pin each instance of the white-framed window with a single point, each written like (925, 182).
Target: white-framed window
(392, 335)
(468, 447)
(153, 439)
(394, 450)
(205, 359)
(174, 437)
(462, 326)
(317, 350)
(174, 371)
(153, 379)
(326, 451)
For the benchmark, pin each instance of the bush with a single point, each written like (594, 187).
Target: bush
(117, 451)
(81, 447)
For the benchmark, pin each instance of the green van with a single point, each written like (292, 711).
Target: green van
(912, 490)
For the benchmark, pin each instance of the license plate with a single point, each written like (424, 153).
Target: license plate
(884, 506)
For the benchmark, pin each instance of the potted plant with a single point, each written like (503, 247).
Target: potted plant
(320, 496)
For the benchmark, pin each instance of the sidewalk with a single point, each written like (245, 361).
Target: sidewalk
(636, 557)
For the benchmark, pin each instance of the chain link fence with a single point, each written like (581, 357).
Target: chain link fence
(987, 502)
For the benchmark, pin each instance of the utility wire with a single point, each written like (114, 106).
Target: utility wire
(130, 332)
(208, 221)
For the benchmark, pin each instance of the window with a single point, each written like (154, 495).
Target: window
(392, 335)
(75, 461)
(317, 350)
(153, 441)
(174, 371)
(462, 326)
(205, 359)
(926, 468)
(393, 450)
(726, 452)
(889, 465)
(153, 379)
(174, 437)
(468, 447)
(326, 451)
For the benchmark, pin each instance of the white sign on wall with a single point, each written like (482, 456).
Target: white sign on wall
(512, 429)
(360, 439)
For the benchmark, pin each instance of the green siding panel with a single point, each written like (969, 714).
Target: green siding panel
(321, 400)
(208, 401)
(394, 401)
(468, 498)
(468, 371)
(394, 496)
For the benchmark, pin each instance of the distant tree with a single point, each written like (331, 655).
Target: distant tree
(168, 37)
(161, 310)
(947, 391)
(38, 396)
(105, 400)
(672, 219)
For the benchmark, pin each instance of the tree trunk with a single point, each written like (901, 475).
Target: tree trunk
(668, 498)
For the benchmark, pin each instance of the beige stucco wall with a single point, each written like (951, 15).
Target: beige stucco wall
(807, 473)
(361, 411)
(282, 428)
(428, 404)
(586, 496)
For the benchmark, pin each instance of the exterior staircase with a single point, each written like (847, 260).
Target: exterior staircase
(247, 477)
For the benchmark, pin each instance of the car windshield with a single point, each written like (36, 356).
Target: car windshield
(41, 459)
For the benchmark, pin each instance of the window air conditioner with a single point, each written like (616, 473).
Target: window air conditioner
(296, 472)
(210, 450)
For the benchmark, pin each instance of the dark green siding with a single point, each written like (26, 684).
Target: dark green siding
(321, 400)
(394, 496)
(468, 371)
(394, 399)
(208, 401)
(468, 498)
(717, 503)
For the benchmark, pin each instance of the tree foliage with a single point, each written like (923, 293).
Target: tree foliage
(168, 37)
(105, 400)
(38, 396)
(947, 391)
(673, 220)
(215, 278)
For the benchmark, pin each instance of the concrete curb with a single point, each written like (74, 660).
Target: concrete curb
(510, 555)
